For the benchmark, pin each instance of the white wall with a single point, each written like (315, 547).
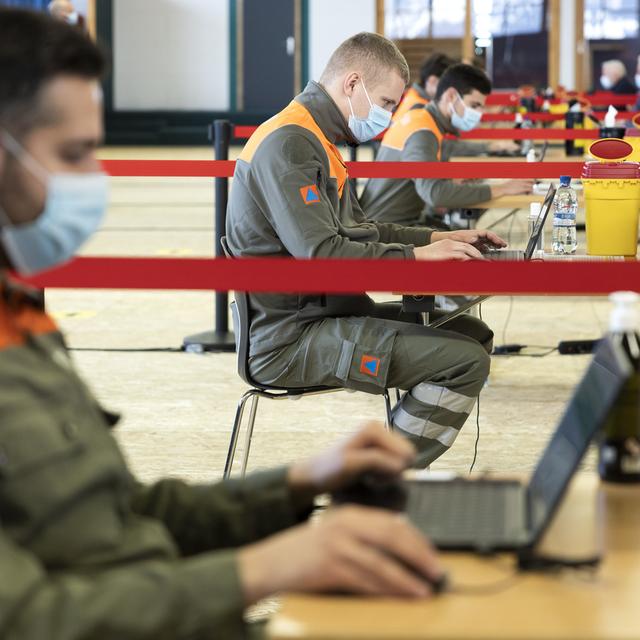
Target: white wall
(331, 22)
(171, 55)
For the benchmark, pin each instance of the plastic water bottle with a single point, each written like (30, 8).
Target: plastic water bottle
(619, 449)
(565, 207)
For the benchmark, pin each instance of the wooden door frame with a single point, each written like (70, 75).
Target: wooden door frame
(236, 41)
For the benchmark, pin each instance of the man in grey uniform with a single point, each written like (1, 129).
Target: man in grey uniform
(419, 136)
(291, 197)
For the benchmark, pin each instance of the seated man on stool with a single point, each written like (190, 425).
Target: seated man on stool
(419, 137)
(86, 550)
(291, 197)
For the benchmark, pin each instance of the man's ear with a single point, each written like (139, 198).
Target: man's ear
(350, 81)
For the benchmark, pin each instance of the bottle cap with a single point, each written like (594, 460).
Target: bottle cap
(534, 210)
(624, 316)
(565, 181)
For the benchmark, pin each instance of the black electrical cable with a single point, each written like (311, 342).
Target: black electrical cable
(487, 589)
(133, 350)
(475, 448)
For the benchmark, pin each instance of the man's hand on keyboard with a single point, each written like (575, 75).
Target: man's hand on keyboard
(481, 239)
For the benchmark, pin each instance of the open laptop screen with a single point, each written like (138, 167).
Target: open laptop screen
(540, 222)
(586, 413)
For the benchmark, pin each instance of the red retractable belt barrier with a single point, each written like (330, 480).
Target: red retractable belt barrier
(599, 99)
(529, 134)
(343, 276)
(224, 169)
(502, 133)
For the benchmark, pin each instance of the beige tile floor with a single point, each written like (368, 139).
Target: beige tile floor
(178, 408)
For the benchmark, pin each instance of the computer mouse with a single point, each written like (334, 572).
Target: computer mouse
(437, 585)
(440, 584)
(374, 490)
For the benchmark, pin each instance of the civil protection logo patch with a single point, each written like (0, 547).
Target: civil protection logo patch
(370, 365)
(310, 194)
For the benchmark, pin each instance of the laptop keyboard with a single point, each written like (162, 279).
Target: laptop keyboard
(505, 254)
(468, 513)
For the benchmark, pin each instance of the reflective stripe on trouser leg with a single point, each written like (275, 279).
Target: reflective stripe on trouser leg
(432, 416)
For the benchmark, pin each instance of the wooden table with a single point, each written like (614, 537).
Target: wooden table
(568, 605)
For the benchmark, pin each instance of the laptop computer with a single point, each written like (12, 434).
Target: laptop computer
(492, 514)
(527, 254)
(504, 254)
(520, 153)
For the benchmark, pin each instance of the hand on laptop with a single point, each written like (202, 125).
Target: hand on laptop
(512, 188)
(447, 249)
(481, 239)
(504, 146)
(370, 450)
(347, 549)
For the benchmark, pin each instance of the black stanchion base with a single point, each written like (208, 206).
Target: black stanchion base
(211, 341)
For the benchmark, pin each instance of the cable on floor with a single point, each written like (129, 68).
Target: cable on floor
(133, 350)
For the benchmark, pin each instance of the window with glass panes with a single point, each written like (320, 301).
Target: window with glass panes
(410, 19)
(611, 19)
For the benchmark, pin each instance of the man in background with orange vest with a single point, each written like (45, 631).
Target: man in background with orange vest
(419, 136)
(424, 91)
(291, 197)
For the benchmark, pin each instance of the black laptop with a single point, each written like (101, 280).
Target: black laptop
(505, 254)
(492, 514)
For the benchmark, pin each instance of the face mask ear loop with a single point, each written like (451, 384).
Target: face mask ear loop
(366, 93)
(351, 107)
(23, 156)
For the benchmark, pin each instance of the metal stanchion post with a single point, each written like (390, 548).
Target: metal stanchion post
(220, 339)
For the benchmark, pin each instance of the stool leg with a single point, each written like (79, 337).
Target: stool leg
(247, 442)
(235, 432)
(387, 406)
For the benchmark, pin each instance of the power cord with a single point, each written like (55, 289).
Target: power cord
(133, 350)
(487, 589)
(475, 448)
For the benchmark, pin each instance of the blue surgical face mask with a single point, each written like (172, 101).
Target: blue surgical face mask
(605, 82)
(469, 120)
(365, 129)
(74, 208)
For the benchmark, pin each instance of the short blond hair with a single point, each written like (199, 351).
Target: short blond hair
(616, 67)
(369, 53)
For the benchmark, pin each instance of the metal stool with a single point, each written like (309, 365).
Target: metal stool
(242, 320)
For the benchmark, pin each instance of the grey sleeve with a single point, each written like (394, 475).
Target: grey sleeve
(422, 146)
(227, 514)
(390, 232)
(182, 598)
(287, 165)
(464, 148)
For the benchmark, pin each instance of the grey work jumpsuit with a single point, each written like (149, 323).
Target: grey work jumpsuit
(290, 197)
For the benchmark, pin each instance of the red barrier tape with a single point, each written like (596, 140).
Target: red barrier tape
(224, 169)
(170, 168)
(464, 170)
(493, 134)
(600, 99)
(343, 276)
(529, 134)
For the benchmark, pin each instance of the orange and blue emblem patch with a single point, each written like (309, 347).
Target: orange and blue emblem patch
(310, 194)
(370, 365)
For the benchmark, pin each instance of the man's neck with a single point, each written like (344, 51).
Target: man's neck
(336, 96)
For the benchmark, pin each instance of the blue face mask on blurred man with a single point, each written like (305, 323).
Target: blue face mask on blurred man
(74, 208)
(469, 120)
